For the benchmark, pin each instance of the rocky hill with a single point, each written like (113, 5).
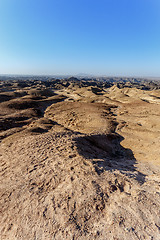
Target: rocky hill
(79, 159)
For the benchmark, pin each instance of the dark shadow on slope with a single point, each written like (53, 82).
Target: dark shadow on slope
(109, 153)
(26, 110)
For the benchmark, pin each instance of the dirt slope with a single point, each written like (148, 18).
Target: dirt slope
(82, 169)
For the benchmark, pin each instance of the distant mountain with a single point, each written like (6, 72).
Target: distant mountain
(84, 75)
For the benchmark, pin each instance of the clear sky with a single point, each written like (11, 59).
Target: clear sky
(102, 37)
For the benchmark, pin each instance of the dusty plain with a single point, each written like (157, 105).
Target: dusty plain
(79, 159)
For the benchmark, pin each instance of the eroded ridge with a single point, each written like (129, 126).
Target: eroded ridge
(79, 162)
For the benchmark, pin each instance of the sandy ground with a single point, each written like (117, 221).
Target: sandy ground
(77, 165)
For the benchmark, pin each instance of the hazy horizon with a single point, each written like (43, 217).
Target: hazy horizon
(78, 75)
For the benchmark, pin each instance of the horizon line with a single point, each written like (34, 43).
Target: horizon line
(78, 75)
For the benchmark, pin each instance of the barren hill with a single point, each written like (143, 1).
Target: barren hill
(79, 162)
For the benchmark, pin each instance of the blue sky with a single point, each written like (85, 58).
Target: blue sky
(101, 37)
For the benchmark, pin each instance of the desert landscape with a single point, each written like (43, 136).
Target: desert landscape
(79, 158)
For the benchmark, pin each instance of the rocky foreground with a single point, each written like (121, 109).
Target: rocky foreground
(79, 160)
